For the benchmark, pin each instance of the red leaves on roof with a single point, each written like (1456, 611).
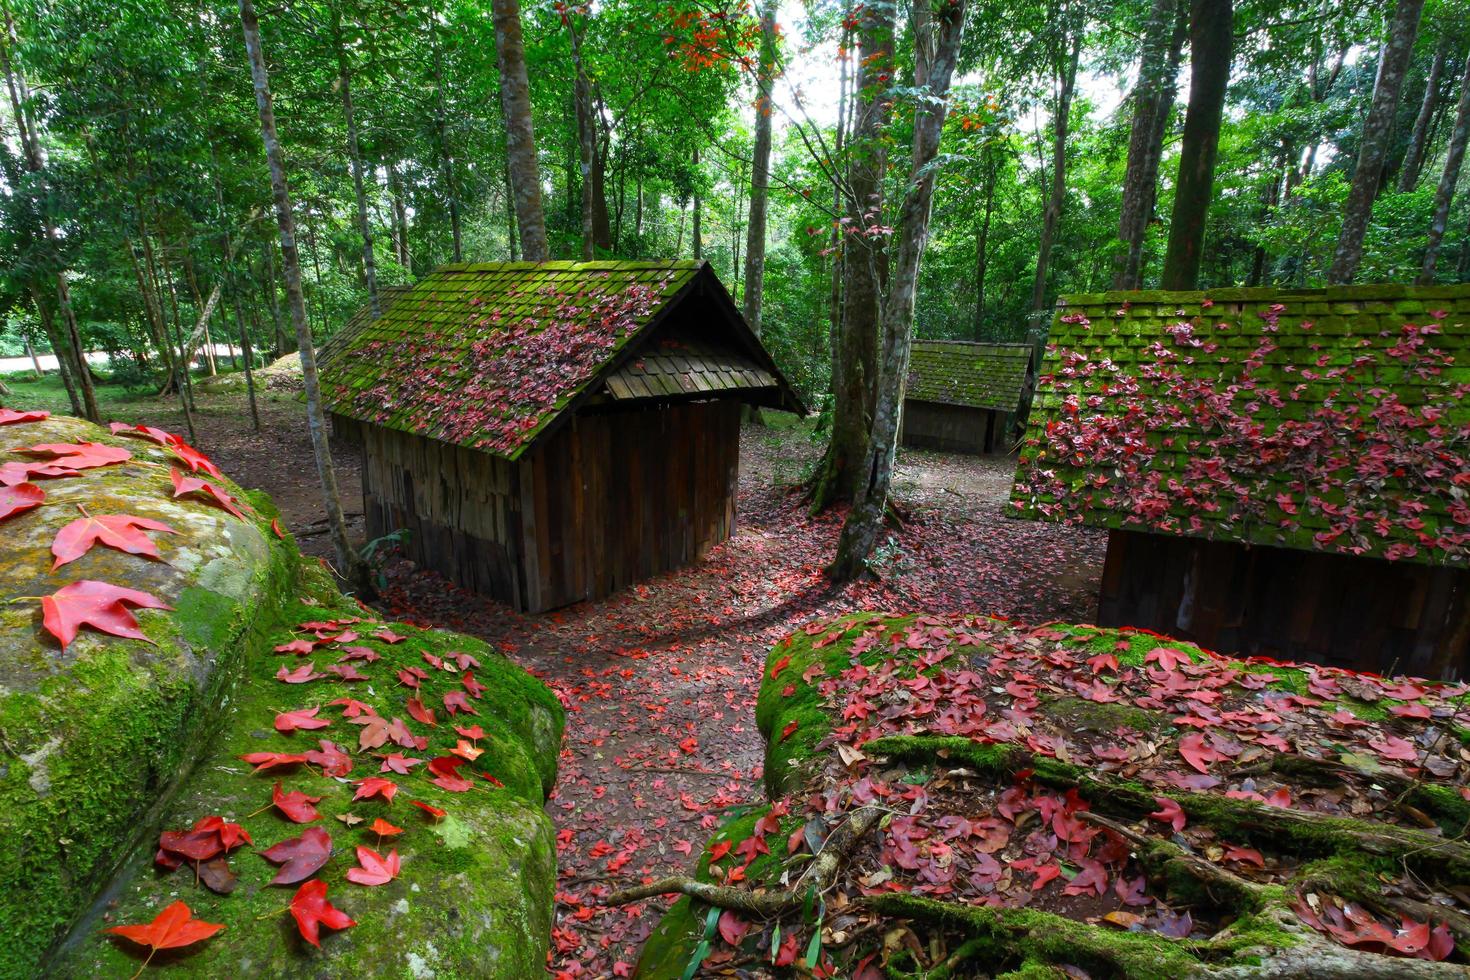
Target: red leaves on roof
(98, 605)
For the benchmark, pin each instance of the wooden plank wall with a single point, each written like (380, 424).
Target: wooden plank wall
(953, 428)
(616, 496)
(463, 508)
(1360, 613)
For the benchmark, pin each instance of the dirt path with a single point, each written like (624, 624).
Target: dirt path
(659, 681)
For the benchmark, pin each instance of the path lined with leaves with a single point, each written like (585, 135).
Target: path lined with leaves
(660, 681)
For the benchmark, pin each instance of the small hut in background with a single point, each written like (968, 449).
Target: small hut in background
(963, 397)
(1282, 472)
(552, 432)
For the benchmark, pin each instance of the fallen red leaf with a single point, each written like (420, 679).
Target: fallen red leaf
(296, 805)
(173, 928)
(302, 718)
(121, 531)
(311, 910)
(19, 499)
(11, 417)
(433, 811)
(374, 868)
(188, 484)
(376, 786)
(269, 760)
(98, 605)
(300, 857)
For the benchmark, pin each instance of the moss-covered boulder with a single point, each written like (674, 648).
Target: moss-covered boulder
(92, 737)
(958, 796)
(113, 742)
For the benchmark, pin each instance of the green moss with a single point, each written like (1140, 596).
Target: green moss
(1081, 715)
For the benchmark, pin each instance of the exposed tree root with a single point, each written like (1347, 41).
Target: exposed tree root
(819, 875)
(1225, 888)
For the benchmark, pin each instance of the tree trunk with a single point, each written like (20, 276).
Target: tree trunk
(834, 296)
(864, 264)
(760, 176)
(1445, 195)
(1392, 65)
(1418, 140)
(247, 357)
(35, 361)
(1153, 100)
(586, 160)
(1067, 82)
(935, 58)
(446, 159)
(350, 564)
(400, 219)
(354, 158)
(696, 236)
(64, 365)
(982, 237)
(520, 137)
(1211, 39)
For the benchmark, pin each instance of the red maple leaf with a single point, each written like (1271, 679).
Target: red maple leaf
(419, 713)
(98, 605)
(1167, 657)
(311, 910)
(296, 805)
(269, 760)
(376, 786)
(142, 432)
(333, 759)
(388, 636)
(1169, 813)
(399, 763)
(433, 811)
(188, 484)
(11, 417)
(19, 499)
(374, 868)
(121, 531)
(445, 774)
(301, 675)
(456, 702)
(195, 460)
(300, 719)
(299, 857)
(300, 647)
(78, 455)
(173, 928)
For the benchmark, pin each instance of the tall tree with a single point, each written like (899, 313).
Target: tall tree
(760, 171)
(937, 35)
(1445, 193)
(1211, 45)
(1065, 47)
(515, 97)
(349, 563)
(354, 159)
(1414, 154)
(1393, 64)
(864, 261)
(1153, 101)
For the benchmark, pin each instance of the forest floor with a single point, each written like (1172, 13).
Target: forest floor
(660, 681)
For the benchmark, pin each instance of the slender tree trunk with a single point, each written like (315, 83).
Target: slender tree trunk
(1270, 199)
(836, 248)
(937, 48)
(515, 98)
(1153, 101)
(510, 213)
(354, 158)
(760, 176)
(64, 365)
(1052, 219)
(982, 237)
(31, 353)
(400, 219)
(1445, 194)
(1392, 66)
(284, 344)
(1418, 139)
(350, 564)
(446, 158)
(864, 263)
(696, 236)
(1211, 40)
(246, 357)
(587, 159)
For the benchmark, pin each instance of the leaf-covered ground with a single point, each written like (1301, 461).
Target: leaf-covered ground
(660, 681)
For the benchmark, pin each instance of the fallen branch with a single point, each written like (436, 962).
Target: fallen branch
(1245, 895)
(819, 875)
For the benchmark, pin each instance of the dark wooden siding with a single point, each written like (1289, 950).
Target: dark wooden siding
(953, 428)
(614, 497)
(1360, 613)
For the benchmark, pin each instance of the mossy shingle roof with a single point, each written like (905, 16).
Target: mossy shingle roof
(956, 372)
(1330, 419)
(488, 356)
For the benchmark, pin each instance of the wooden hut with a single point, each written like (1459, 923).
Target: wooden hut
(1282, 472)
(963, 397)
(552, 432)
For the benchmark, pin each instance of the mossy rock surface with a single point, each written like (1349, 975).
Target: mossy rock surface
(113, 740)
(93, 737)
(474, 897)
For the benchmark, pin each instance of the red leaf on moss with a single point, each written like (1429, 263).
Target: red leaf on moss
(333, 759)
(300, 857)
(98, 605)
(376, 786)
(300, 647)
(276, 529)
(78, 455)
(296, 805)
(1169, 813)
(300, 719)
(301, 675)
(311, 910)
(193, 458)
(19, 499)
(11, 417)
(445, 774)
(433, 811)
(456, 702)
(791, 726)
(121, 531)
(388, 636)
(374, 869)
(173, 928)
(269, 760)
(188, 484)
(419, 713)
